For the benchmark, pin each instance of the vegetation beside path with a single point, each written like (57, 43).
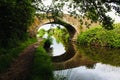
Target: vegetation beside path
(20, 67)
(42, 68)
(33, 63)
(7, 56)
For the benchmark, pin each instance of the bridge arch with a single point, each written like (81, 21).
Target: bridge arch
(71, 30)
(69, 22)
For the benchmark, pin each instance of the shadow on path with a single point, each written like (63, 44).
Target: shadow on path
(21, 67)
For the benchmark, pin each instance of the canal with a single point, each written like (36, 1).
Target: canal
(75, 62)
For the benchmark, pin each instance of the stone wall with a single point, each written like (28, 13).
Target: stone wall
(71, 20)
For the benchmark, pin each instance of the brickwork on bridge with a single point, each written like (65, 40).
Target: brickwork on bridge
(71, 20)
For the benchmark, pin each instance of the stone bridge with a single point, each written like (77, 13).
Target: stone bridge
(71, 23)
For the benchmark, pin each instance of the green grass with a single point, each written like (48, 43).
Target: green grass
(42, 67)
(9, 54)
(100, 37)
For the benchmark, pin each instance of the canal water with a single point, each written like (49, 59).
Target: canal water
(76, 62)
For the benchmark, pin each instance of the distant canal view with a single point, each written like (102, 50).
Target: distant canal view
(75, 62)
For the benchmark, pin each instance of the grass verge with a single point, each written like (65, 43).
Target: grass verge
(42, 67)
(9, 54)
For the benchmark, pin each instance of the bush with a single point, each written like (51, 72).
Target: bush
(15, 18)
(100, 37)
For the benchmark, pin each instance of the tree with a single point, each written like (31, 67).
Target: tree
(96, 10)
(92, 9)
(15, 17)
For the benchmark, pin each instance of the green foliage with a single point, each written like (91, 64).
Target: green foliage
(101, 37)
(7, 56)
(61, 34)
(40, 33)
(42, 67)
(92, 9)
(15, 18)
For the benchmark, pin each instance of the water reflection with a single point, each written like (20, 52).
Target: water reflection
(72, 62)
(56, 48)
(68, 54)
(87, 64)
(99, 72)
(77, 59)
(58, 52)
(102, 54)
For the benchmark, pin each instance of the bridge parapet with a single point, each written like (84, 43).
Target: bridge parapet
(71, 23)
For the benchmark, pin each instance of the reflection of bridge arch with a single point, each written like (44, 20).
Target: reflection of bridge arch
(75, 60)
(70, 52)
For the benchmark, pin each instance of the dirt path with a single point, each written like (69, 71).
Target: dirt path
(21, 67)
